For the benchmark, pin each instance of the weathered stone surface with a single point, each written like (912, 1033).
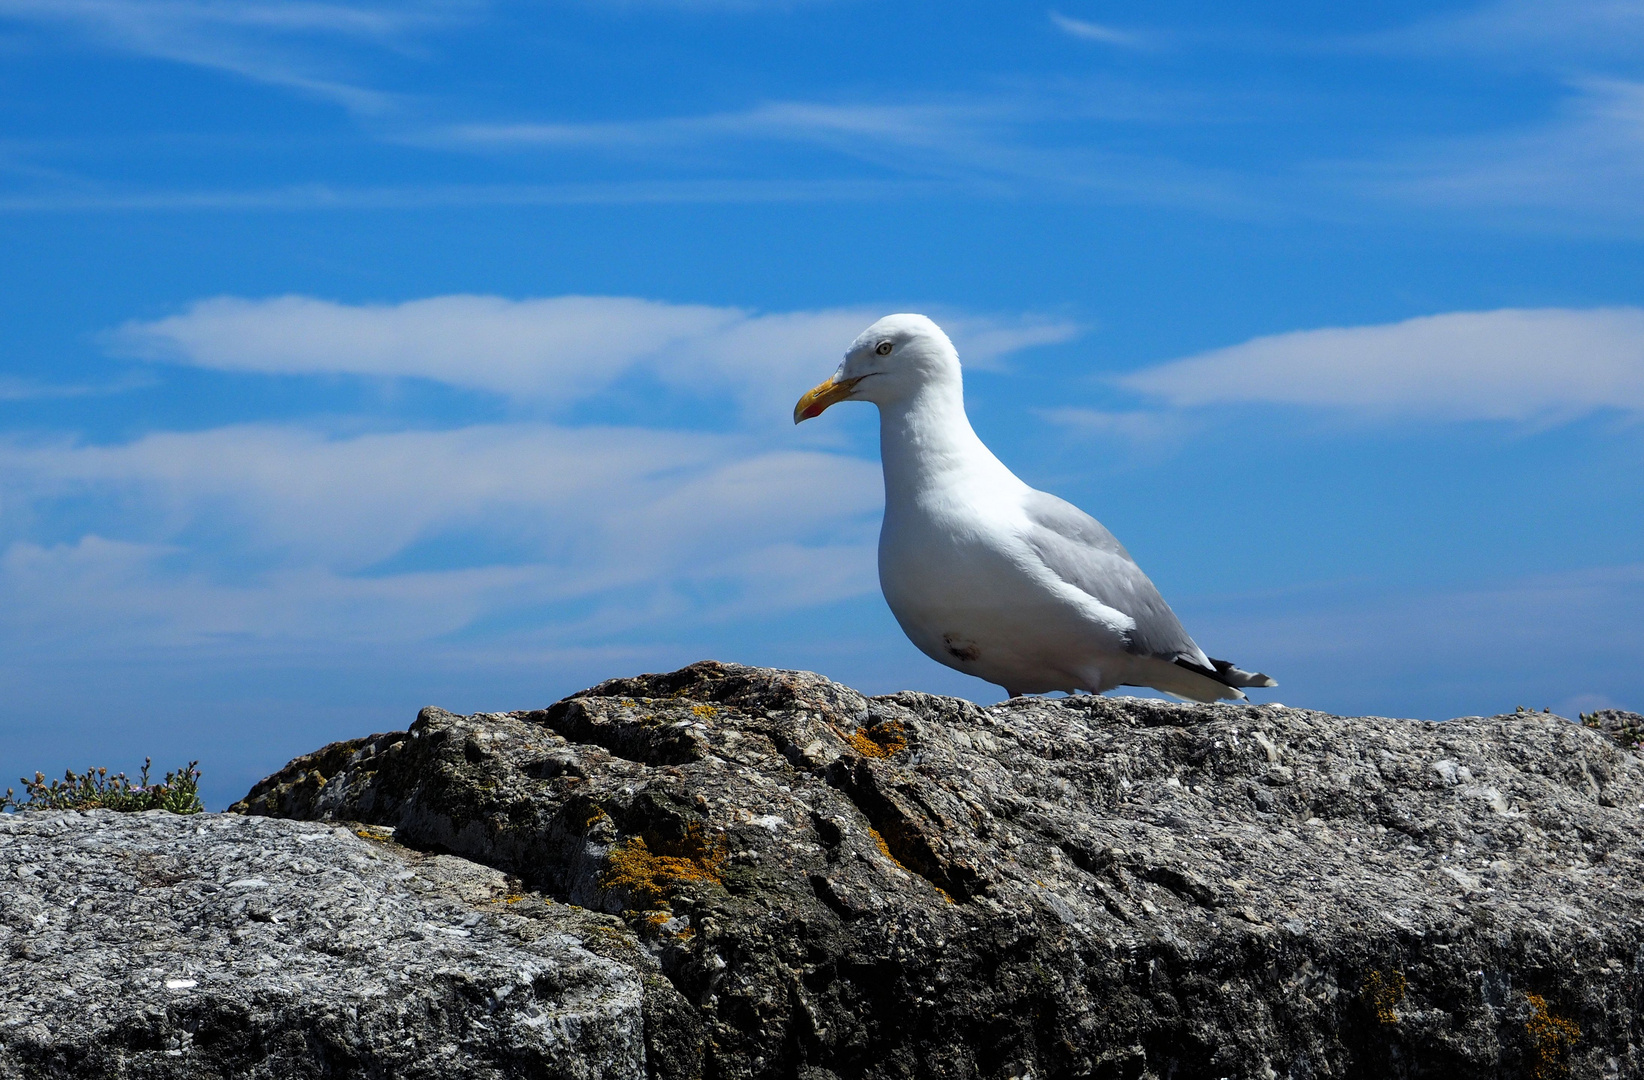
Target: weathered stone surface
(150, 945)
(840, 886)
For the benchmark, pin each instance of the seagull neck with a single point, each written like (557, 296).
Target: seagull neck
(927, 442)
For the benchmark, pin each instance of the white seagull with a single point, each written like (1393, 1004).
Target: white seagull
(986, 574)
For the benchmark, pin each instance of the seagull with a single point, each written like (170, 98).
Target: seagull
(988, 575)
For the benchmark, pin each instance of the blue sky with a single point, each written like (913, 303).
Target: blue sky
(356, 356)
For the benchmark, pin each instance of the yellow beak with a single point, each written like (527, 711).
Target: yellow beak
(819, 397)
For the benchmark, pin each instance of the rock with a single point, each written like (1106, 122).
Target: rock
(842, 886)
(218, 945)
(1624, 728)
(736, 872)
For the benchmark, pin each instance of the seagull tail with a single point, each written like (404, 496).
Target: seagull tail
(1229, 675)
(1221, 681)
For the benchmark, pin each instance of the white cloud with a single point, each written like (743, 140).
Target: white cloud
(787, 120)
(563, 345)
(984, 342)
(268, 41)
(1513, 364)
(560, 348)
(1089, 31)
(263, 534)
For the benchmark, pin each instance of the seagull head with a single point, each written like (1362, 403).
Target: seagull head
(888, 362)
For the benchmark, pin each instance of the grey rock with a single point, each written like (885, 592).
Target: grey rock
(152, 945)
(842, 886)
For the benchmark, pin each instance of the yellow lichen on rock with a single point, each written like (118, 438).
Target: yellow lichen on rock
(1550, 1038)
(652, 870)
(1384, 992)
(881, 741)
(884, 849)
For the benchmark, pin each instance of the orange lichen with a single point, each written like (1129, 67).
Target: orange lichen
(1550, 1039)
(704, 710)
(884, 849)
(652, 869)
(879, 841)
(880, 741)
(1383, 992)
(596, 816)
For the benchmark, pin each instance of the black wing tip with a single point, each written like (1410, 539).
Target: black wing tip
(1225, 673)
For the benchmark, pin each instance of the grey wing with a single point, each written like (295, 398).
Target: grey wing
(1079, 550)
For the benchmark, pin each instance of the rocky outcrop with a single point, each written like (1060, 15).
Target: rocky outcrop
(153, 945)
(829, 885)
(733, 872)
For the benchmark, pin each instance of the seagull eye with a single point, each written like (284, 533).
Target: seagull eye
(884, 348)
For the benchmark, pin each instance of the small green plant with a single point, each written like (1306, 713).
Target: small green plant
(1628, 732)
(95, 789)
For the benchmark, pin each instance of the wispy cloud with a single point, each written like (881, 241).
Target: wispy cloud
(562, 349)
(781, 120)
(106, 198)
(1061, 142)
(1567, 640)
(264, 40)
(13, 389)
(1585, 166)
(1107, 35)
(565, 345)
(1574, 163)
(1534, 364)
(1535, 33)
(274, 533)
(1131, 428)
